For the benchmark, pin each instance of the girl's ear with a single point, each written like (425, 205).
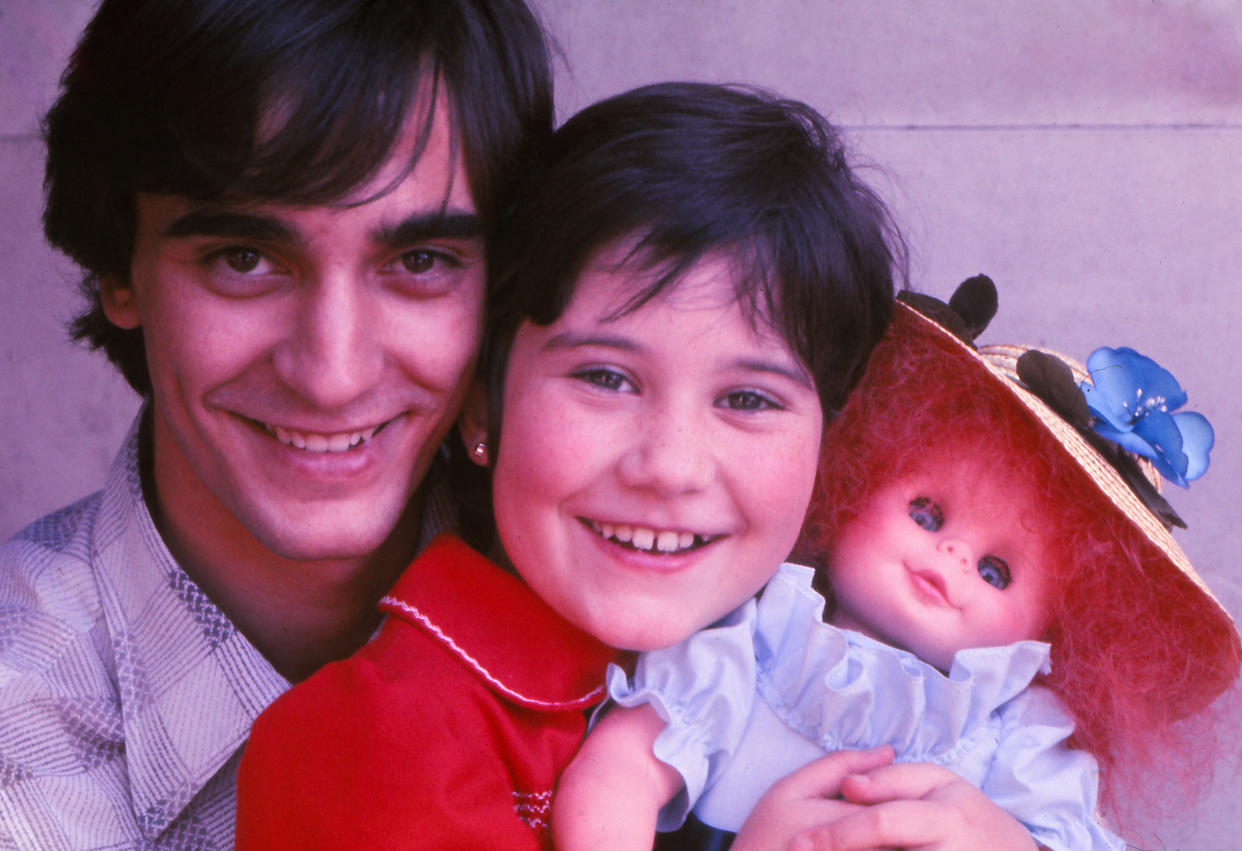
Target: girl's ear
(116, 296)
(472, 424)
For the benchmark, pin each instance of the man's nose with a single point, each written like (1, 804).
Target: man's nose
(331, 352)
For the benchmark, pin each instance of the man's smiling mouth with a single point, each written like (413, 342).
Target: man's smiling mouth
(648, 539)
(311, 441)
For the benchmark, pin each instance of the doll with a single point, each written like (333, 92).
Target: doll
(997, 598)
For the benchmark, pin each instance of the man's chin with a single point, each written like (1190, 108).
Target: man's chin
(338, 538)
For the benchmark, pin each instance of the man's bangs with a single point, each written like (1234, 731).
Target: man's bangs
(325, 132)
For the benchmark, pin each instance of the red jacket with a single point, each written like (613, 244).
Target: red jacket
(448, 730)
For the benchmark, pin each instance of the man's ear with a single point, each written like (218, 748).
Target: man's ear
(472, 424)
(120, 304)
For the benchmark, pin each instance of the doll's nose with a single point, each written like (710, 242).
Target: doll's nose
(958, 552)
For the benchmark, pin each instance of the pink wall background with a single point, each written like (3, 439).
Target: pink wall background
(1086, 155)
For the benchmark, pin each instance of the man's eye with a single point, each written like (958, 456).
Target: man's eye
(926, 513)
(995, 572)
(242, 260)
(422, 261)
(418, 262)
(748, 400)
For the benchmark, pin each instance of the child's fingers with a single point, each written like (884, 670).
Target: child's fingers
(822, 778)
(904, 781)
(900, 824)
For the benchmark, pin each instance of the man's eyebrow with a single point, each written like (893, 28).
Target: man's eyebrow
(228, 223)
(420, 227)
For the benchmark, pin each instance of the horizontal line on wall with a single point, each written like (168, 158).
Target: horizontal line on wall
(1035, 127)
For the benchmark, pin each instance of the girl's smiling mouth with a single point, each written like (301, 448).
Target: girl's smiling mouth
(649, 539)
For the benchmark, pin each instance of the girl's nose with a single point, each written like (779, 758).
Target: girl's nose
(670, 454)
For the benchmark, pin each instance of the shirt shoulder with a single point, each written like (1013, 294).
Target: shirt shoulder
(49, 595)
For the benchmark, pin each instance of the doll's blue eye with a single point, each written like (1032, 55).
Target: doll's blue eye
(995, 572)
(926, 513)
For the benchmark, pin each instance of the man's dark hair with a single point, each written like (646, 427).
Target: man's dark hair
(289, 101)
(686, 171)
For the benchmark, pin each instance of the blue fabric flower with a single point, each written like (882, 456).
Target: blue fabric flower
(1133, 399)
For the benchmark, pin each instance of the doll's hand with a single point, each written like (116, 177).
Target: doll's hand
(808, 797)
(917, 806)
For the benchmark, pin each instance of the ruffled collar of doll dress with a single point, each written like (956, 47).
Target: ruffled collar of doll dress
(842, 689)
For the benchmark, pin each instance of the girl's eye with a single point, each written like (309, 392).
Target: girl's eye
(926, 513)
(748, 400)
(606, 379)
(995, 572)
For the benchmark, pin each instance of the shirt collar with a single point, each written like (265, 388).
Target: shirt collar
(496, 625)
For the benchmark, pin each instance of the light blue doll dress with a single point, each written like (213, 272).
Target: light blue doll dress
(771, 687)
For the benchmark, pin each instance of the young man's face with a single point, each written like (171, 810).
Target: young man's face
(307, 361)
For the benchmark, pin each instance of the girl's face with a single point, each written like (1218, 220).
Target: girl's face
(947, 559)
(654, 467)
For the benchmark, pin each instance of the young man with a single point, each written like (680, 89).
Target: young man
(281, 208)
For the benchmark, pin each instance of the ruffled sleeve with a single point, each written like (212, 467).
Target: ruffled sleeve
(703, 688)
(1050, 788)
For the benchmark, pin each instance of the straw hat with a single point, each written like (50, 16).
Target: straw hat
(1128, 482)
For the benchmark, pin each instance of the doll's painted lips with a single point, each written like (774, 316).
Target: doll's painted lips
(648, 539)
(930, 583)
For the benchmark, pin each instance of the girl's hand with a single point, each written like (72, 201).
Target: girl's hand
(916, 806)
(806, 798)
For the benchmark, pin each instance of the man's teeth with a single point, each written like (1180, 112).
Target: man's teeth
(316, 442)
(642, 538)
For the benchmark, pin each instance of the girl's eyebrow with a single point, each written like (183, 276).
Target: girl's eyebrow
(798, 376)
(575, 339)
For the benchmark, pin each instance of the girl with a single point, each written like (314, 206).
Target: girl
(688, 293)
(960, 517)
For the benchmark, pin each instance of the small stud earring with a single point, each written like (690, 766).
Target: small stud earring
(480, 450)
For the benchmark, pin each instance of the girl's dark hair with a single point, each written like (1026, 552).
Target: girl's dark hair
(1138, 652)
(684, 171)
(289, 101)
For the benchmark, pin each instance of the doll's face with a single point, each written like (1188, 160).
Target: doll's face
(950, 558)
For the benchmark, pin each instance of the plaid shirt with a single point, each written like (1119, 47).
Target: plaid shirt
(125, 693)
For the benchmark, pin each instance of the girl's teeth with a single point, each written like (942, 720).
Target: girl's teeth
(667, 541)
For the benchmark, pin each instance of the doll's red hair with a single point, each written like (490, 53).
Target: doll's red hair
(1137, 649)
